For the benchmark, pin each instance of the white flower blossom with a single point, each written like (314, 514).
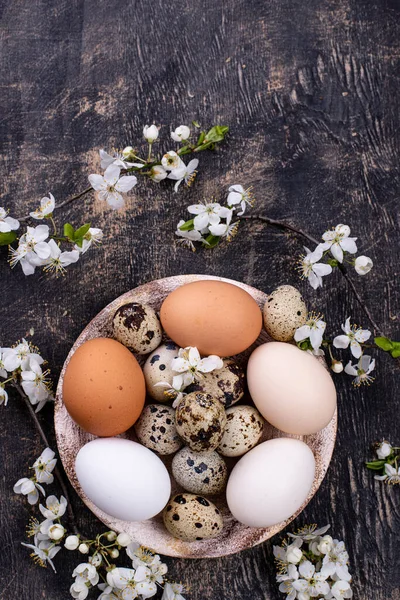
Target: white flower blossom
(123, 539)
(339, 590)
(58, 260)
(111, 185)
(309, 532)
(3, 370)
(158, 173)
(85, 576)
(363, 265)
(150, 133)
(207, 214)
(54, 531)
(313, 270)
(118, 159)
(83, 548)
(184, 173)
(7, 223)
(361, 371)
(353, 336)
(28, 487)
(175, 390)
(335, 562)
(55, 508)
(286, 582)
(189, 360)
(188, 237)
(47, 206)
(226, 230)
(181, 133)
(239, 196)
(19, 357)
(32, 249)
(36, 385)
(313, 330)
(173, 591)
(131, 582)
(311, 582)
(384, 450)
(94, 236)
(95, 560)
(171, 161)
(325, 544)
(338, 241)
(44, 466)
(391, 475)
(71, 542)
(43, 552)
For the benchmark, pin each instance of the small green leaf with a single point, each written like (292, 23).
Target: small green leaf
(217, 133)
(82, 231)
(395, 353)
(79, 242)
(384, 343)
(196, 124)
(212, 241)
(7, 238)
(375, 465)
(69, 231)
(183, 149)
(187, 226)
(333, 262)
(201, 138)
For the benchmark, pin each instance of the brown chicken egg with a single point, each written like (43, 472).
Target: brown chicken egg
(104, 388)
(216, 317)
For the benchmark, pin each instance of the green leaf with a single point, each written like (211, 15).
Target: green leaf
(79, 242)
(384, 343)
(395, 353)
(375, 465)
(188, 226)
(217, 133)
(7, 238)
(196, 124)
(201, 138)
(82, 231)
(212, 241)
(69, 231)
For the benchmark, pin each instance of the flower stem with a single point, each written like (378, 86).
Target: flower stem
(342, 269)
(57, 471)
(54, 225)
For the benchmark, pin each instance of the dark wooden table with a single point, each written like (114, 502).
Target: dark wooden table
(310, 92)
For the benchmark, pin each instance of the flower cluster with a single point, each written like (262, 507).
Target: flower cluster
(310, 337)
(118, 165)
(212, 222)
(189, 367)
(142, 580)
(311, 564)
(335, 249)
(22, 364)
(387, 464)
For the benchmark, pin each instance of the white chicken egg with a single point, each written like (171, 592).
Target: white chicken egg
(271, 482)
(123, 478)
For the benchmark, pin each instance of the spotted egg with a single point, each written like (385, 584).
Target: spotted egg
(226, 384)
(157, 368)
(284, 311)
(137, 327)
(192, 518)
(156, 429)
(244, 427)
(200, 421)
(200, 472)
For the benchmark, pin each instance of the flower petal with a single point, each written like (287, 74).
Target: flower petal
(341, 341)
(337, 252)
(126, 183)
(200, 221)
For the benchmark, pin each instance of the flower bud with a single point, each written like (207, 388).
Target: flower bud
(171, 161)
(337, 366)
(111, 536)
(56, 532)
(384, 450)
(158, 173)
(114, 553)
(150, 133)
(363, 265)
(325, 544)
(181, 133)
(72, 542)
(314, 548)
(293, 554)
(129, 153)
(95, 560)
(123, 540)
(83, 548)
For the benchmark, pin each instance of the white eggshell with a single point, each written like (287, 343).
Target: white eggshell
(271, 482)
(123, 478)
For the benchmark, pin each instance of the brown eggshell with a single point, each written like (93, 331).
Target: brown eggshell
(104, 388)
(215, 317)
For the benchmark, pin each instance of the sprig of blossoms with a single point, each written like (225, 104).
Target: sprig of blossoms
(311, 564)
(334, 250)
(212, 222)
(387, 464)
(22, 364)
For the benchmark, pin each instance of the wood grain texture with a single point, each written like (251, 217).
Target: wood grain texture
(310, 91)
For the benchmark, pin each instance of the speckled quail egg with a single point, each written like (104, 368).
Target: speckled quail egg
(137, 326)
(244, 427)
(200, 421)
(158, 368)
(284, 311)
(156, 429)
(190, 518)
(200, 472)
(226, 384)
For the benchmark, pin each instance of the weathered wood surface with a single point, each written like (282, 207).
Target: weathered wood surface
(310, 91)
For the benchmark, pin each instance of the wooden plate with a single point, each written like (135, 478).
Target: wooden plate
(152, 533)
